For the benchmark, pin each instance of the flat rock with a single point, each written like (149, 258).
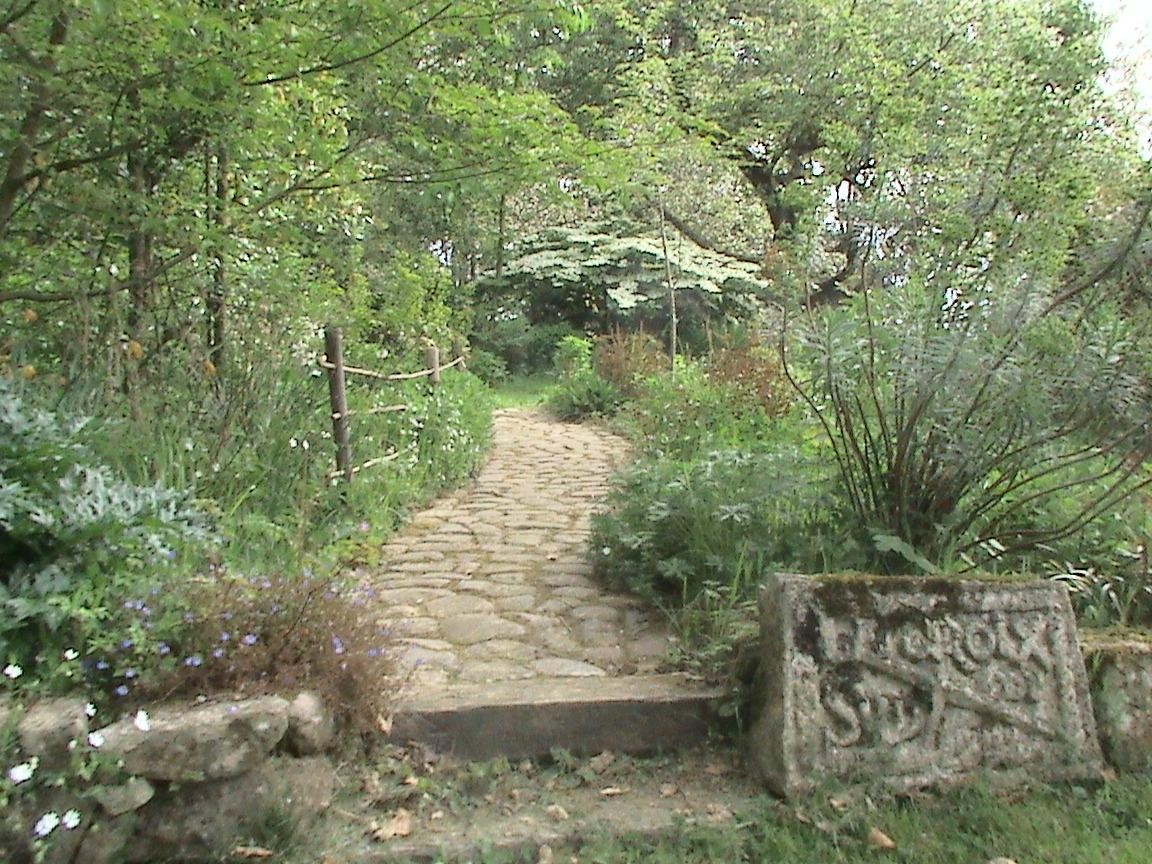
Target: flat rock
(559, 667)
(470, 629)
(209, 742)
(916, 682)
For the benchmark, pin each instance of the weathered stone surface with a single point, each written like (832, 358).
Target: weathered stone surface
(203, 821)
(209, 742)
(919, 682)
(559, 667)
(48, 726)
(1121, 680)
(470, 629)
(311, 726)
(131, 795)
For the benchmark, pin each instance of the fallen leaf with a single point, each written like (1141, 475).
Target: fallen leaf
(400, 825)
(557, 812)
(384, 724)
(252, 852)
(802, 817)
(877, 839)
(600, 763)
(668, 790)
(437, 814)
(411, 780)
(1001, 861)
(839, 803)
(613, 791)
(544, 855)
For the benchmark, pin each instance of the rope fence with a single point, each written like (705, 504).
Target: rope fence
(332, 361)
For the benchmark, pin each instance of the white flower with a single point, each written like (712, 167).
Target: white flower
(95, 740)
(71, 819)
(292, 442)
(13, 671)
(141, 721)
(20, 773)
(89, 710)
(46, 824)
(304, 444)
(71, 654)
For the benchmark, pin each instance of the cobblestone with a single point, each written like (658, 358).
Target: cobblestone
(491, 583)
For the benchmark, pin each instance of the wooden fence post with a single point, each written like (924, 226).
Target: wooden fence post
(432, 361)
(338, 398)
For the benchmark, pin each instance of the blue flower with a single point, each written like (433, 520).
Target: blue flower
(194, 660)
(122, 690)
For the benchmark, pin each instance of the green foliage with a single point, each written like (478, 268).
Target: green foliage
(682, 415)
(488, 367)
(525, 348)
(583, 395)
(673, 526)
(75, 538)
(980, 436)
(597, 276)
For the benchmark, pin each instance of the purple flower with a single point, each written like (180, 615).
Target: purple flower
(194, 660)
(337, 644)
(375, 652)
(101, 665)
(130, 673)
(217, 653)
(164, 648)
(122, 690)
(225, 636)
(249, 639)
(126, 644)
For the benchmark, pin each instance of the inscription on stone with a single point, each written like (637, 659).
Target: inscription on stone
(917, 682)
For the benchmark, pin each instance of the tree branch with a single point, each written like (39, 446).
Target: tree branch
(705, 242)
(359, 58)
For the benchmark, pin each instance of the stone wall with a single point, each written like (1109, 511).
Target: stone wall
(189, 780)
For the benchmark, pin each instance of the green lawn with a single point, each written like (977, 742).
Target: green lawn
(1062, 825)
(523, 391)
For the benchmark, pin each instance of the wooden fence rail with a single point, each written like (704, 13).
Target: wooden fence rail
(333, 363)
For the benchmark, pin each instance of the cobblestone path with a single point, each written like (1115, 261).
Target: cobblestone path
(491, 583)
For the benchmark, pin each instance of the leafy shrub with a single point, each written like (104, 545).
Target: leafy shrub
(279, 633)
(673, 525)
(625, 360)
(580, 393)
(753, 374)
(583, 395)
(525, 348)
(681, 415)
(488, 367)
(574, 355)
(75, 538)
(954, 432)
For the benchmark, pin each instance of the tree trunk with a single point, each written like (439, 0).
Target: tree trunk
(218, 293)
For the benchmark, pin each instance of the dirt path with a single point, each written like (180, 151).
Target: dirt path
(492, 583)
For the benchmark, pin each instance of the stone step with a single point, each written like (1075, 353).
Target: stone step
(519, 719)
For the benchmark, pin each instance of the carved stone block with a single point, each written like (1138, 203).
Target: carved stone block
(916, 682)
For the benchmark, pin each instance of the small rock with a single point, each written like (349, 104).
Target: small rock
(311, 726)
(47, 728)
(129, 796)
(557, 812)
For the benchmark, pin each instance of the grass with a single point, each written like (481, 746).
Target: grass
(1065, 825)
(523, 391)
